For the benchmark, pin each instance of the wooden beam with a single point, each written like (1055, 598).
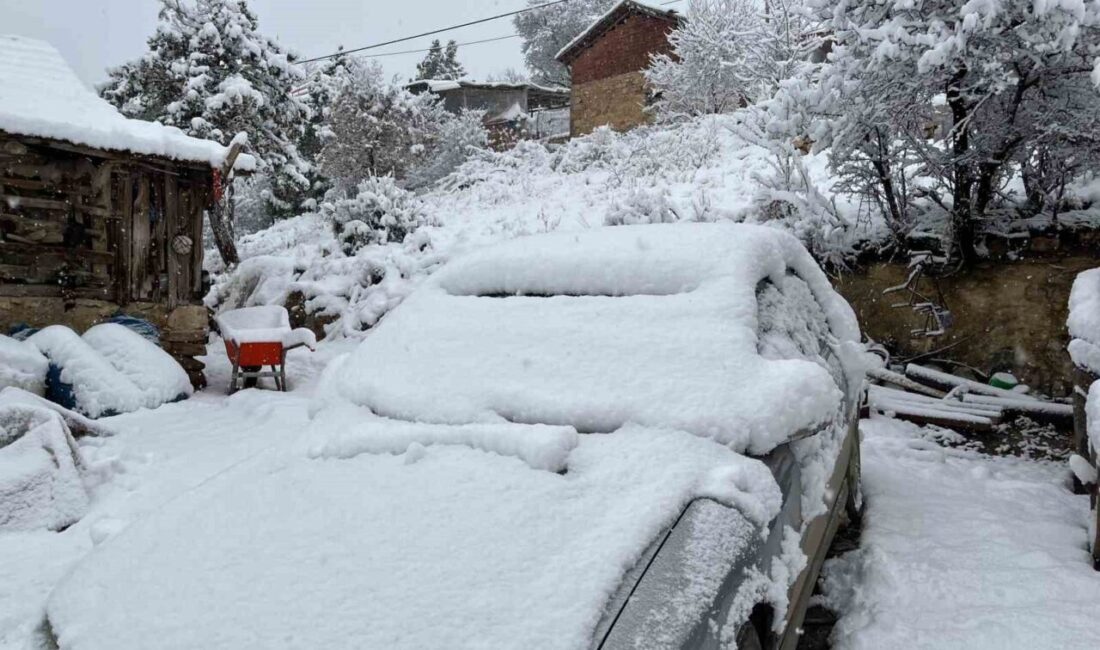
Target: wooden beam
(52, 291)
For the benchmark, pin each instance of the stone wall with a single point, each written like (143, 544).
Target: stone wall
(617, 101)
(1007, 316)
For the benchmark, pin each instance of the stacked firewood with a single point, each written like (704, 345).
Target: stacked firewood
(927, 396)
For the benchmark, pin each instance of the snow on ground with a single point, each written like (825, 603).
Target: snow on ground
(963, 550)
(155, 457)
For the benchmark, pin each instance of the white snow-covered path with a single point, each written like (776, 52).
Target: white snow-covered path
(156, 456)
(963, 550)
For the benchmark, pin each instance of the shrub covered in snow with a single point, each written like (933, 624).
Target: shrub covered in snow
(380, 212)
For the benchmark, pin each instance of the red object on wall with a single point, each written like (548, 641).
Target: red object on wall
(217, 185)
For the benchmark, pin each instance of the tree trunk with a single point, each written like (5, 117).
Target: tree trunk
(962, 216)
(221, 224)
(221, 215)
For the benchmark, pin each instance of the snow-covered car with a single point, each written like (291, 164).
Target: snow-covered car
(640, 436)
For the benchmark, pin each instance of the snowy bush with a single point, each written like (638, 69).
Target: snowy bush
(378, 213)
(639, 206)
(460, 136)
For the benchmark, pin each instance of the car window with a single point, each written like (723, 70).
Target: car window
(792, 325)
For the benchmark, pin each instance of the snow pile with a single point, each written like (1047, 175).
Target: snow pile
(78, 424)
(40, 482)
(263, 324)
(111, 369)
(22, 366)
(945, 561)
(152, 370)
(586, 330)
(447, 547)
(43, 97)
(348, 432)
(702, 170)
(1084, 320)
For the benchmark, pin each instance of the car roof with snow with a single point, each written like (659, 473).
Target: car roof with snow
(653, 324)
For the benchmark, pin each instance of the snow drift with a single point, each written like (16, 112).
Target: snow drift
(40, 466)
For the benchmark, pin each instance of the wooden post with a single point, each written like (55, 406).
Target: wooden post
(220, 223)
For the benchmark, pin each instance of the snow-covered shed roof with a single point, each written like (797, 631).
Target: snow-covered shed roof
(41, 96)
(610, 18)
(654, 324)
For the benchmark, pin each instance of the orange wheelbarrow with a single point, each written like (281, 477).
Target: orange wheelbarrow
(260, 336)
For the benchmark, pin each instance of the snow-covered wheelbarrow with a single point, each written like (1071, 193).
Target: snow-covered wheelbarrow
(260, 336)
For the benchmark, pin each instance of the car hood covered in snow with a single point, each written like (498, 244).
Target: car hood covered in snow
(649, 324)
(434, 545)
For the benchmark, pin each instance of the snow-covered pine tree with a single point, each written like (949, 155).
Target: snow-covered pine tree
(441, 63)
(211, 73)
(549, 29)
(962, 94)
(375, 127)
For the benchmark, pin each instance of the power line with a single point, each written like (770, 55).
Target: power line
(437, 31)
(428, 49)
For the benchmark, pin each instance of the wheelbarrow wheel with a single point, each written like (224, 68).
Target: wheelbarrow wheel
(251, 382)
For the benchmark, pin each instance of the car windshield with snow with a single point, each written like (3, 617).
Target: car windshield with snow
(629, 436)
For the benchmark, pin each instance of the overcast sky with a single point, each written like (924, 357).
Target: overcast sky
(95, 34)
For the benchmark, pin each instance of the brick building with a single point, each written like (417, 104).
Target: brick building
(607, 63)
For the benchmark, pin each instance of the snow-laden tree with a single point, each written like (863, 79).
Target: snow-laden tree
(728, 53)
(546, 31)
(944, 101)
(459, 136)
(441, 63)
(375, 127)
(211, 73)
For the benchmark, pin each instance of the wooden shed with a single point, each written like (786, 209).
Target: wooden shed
(99, 214)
